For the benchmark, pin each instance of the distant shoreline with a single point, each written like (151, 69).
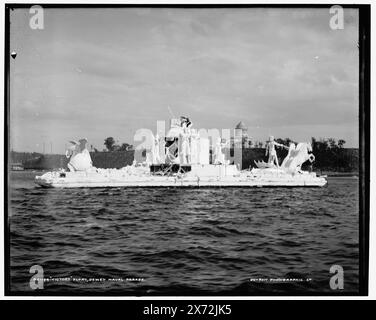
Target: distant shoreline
(332, 174)
(338, 174)
(339, 162)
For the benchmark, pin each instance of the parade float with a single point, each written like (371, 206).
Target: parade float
(185, 158)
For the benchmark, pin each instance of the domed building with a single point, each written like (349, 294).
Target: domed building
(241, 126)
(241, 135)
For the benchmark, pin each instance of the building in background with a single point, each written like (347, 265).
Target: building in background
(241, 137)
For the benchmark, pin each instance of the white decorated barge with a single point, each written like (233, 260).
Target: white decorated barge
(183, 158)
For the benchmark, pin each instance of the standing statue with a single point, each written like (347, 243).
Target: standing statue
(80, 159)
(219, 157)
(270, 150)
(185, 151)
(156, 159)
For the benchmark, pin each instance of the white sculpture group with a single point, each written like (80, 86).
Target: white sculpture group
(179, 147)
(297, 155)
(184, 145)
(184, 150)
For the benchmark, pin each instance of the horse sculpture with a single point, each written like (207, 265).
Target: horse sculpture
(297, 156)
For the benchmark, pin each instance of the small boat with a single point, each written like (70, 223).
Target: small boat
(17, 167)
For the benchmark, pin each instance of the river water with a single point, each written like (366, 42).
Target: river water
(216, 241)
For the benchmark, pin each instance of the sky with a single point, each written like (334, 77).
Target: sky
(97, 73)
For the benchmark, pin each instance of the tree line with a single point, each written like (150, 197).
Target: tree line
(321, 144)
(317, 144)
(111, 145)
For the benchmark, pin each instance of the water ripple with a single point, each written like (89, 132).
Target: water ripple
(184, 241)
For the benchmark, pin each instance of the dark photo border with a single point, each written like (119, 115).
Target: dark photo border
(364, 138)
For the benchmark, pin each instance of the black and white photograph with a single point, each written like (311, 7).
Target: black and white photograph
(186, 150)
